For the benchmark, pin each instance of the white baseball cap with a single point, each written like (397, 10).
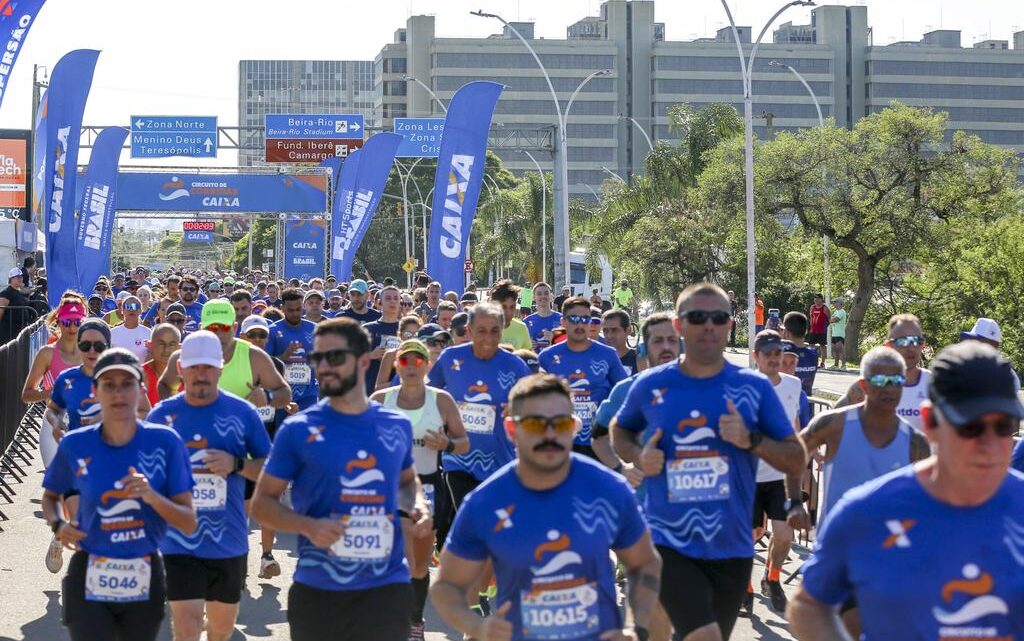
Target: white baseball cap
(123, 295)
(254, 321)
(984, 328)
(14, 273)
(201, 348)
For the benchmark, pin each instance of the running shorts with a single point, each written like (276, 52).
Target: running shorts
(375, 614)
(190, 577)
(770, 501)
(698, 592)
(101, 621)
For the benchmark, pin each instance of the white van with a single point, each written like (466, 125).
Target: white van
(580, 280)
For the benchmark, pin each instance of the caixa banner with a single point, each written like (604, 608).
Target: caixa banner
(304, 248)
(239, 193)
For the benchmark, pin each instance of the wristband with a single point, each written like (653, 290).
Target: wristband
(270, 395)
(56, 525)
(755, 440)
(239, 464)
(641, 633)
(404, 515)
(450, 448)
(618, 468)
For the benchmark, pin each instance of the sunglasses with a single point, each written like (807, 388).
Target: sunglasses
(408, 335)
(411, 359)
(132, 307)
(594, 320)
(219, 327)
(406, 304)
(431, 342)
(577, 319)
(908, 341)
(101, 288)
(215, 291)
(68, 322)
(334, 357)
(257, 335)
(886, 380)
(700, 316)
(1004, 428)
(97, 346)
(188, 289)
(176, 321)
(563, 424)
(132, 288)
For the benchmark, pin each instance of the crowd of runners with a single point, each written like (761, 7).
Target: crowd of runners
(520, 458)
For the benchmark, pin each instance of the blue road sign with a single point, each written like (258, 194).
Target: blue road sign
(314, 126)
(421, 137)
(167, 136)
(198, 236)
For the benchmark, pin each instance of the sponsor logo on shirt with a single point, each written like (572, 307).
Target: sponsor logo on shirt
(504, 517)
(557, 544)
(315, 434)
(478, 393)
(976, 586)
(693, 429)
(898, 533)
(83, 466)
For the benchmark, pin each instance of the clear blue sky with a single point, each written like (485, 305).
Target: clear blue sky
(182, 57)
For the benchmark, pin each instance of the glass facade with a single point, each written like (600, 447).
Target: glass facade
(529, 83)
(734, 87)
(946, 69)
(482, 60)
(731, 63)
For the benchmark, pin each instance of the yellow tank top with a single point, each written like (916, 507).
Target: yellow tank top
(237, 374)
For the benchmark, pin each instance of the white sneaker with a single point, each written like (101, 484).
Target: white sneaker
(269, 567)
(55, 556)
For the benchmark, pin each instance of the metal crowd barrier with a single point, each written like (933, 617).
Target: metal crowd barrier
(19, 423)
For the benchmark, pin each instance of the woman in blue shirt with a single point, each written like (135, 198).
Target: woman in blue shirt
(134, 480)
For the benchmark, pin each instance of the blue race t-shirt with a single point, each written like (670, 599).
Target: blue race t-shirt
(368, 316)
(920, 568)
(1018, 457)
(297, 372)
(610, 406)
(72, 392)
(538, 324)
(229, 424)
(193, 315)
(807, 367)
(591, 374)
(117, 525)
(347, 467)
(550, 548)
(480, 389)
(381, 335)
(701, 501)
(151, 314)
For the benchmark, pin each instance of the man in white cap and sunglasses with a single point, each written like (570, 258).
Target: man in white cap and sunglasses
(934, 550)
(987, 331)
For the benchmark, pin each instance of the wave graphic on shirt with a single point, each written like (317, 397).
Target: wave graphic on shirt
(230, 427)
(591, 516)
(746, 394)
(599, 368)
(391, 437)
(153, 464)
(198, 458)
(973, 609)
(1014, 539)
(119, 508)
(579, 383)
(507, 379)
(478, 398)
(208, 528)
(476, 459)
(367, 477)
(559, 561)
(339, 570)
(698, 434)
(694, 523)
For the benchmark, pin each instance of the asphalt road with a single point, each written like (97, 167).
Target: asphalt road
(30, 595)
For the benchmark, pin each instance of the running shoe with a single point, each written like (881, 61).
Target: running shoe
(269, 567)
(54, 556)
(748, 606)
(773, 590)
(416, 632)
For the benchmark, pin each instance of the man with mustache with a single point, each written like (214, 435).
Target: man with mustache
(226, 443)
(193, 307)
(351, 470)
(547, 523)
(935, 549)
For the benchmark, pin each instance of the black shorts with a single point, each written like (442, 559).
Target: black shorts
(770, 500)
(698, 592)
(375, 614)
(838, 339)
(99, 621)
(814, 338)
(190, 577)
(459, 485)
(586, 450)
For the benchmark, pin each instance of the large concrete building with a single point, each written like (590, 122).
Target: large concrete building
(980, 87)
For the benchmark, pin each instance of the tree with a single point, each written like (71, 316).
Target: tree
(881, 190)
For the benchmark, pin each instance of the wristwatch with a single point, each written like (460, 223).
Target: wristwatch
(450, 448)
(56, 524)
(641, 633)
(789, 504)
(239, 464)
(755, 440)
(270, 395)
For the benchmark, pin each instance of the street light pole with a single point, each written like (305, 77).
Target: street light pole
(614, 175)
(561, 194)
(543, 217)
(428, 90)
(650, 145)
(747, 70)
(824, 238)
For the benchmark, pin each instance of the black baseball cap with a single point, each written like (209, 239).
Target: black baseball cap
(970, 380)
(469, 297)
(459, 322)
(117, 358)
(768, 340)
(175, 308)
(432, 330)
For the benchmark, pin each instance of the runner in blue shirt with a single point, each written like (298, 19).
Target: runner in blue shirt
(1018, 457)
(227, 443)
(134, 481)
(794, 325)
(291, 340)
(934, 550)
(193, 308)
(590, 368)
(350, 466)
(697, 427)
(547, 521)
(544, 320)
